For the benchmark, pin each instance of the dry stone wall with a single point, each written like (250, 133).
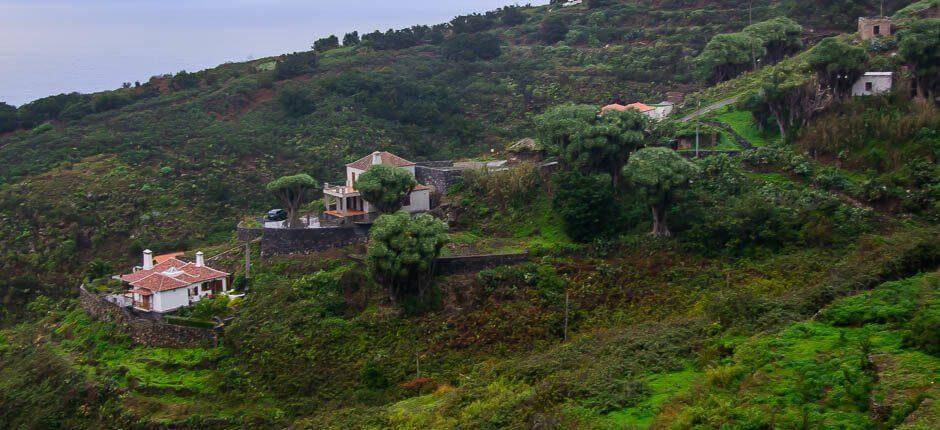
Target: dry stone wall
(152, 331)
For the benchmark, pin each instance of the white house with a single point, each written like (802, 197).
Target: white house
(656, 112)
(172, 283)
(345, 201)
(872, 83)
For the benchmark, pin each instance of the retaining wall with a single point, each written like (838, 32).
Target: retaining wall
(474, 263)
(148, 331)
(276, 241)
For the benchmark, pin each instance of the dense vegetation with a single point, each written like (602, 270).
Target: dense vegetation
(798, 286)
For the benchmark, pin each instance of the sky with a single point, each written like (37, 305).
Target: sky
(53, 46)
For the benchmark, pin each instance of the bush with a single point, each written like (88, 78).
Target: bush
(553, 29)
(296, 102)
(295, 64)
(188, 322)
(471, 47)
(587, 205)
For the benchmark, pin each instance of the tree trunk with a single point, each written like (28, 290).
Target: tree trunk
(783, 132)
(659, 221)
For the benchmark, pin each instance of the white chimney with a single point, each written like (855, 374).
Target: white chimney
(148, 259)
(200, 260)
(376, 158)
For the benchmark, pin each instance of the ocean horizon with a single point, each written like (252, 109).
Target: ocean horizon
(49, 47)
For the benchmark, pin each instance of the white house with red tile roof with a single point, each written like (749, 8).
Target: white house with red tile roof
(172, 283)
(656, 111)
(345, 201)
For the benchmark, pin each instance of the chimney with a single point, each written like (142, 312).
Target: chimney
(148, 259)
(376, 158)
(200, 260)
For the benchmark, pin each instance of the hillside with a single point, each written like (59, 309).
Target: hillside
(193, 151)
(796, 285)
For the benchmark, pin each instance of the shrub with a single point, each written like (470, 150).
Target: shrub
(296, 102)
(295, 64)
(402, 250)
(586, 204)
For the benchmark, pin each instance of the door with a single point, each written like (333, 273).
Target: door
(145, 302)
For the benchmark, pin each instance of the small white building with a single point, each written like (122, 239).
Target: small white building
(345, 201)
(172, 283)
(872, 83)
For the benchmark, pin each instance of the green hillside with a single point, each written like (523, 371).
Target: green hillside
(788, 280)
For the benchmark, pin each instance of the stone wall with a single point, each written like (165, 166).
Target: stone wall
(439, 175)
(474, 263)
(248, 234)
(276, 241)
(866, 27)
(149, 331)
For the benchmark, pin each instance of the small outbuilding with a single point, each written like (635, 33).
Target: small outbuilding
(873, 83)
(870, 28)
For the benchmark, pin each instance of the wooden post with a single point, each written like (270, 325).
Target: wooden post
(566, 315)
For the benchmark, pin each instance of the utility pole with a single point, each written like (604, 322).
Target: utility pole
(697, 124)
(566, 315)
(247, 264)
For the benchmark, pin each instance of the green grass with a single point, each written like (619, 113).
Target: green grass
(743, 123)
(663, 387)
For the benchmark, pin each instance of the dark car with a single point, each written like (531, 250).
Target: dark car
(277, 215)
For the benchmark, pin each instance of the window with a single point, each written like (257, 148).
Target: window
(877, 29)
(869, 86)
(407, 201)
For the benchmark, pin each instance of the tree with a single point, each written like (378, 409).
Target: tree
(351, 39)
(512, 15)
(296, 64)
(296, 102)
(780, 36)
(786, 98)
(589, 142)
(292, 192)
(326, 43)
(586, 204)
(727, 55)
(919, 47)
(553, 29)
(402, 250)
(385, 187)
(837, 64)
(659, 173)
(184, 80)
(472, 23)
(8, 118)
(471, 47)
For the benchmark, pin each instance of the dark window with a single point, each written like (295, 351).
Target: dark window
(407, 201)
(877, 29)
(869, 86)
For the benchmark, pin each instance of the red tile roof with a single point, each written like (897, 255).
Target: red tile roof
(171, 274)
(640, 107)
(387, 158)
(621, 108)
(164, 257)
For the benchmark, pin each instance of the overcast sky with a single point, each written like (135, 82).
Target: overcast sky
(53, 46)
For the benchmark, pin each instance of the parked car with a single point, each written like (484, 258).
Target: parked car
(277, 215)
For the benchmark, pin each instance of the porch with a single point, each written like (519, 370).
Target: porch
(343, 202)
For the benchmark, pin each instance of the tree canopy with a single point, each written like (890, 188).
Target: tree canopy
(837, 64)
(402, 250)
(659, 173)
(8, 121)
(385, 187)
(471, 47)
(296, 64)
(326, 43)
(292, 192)
(553, 29)
(727, 55)
(586, 203)
(780, 37)
(351, 39)
(919, 46)
(590, 142)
